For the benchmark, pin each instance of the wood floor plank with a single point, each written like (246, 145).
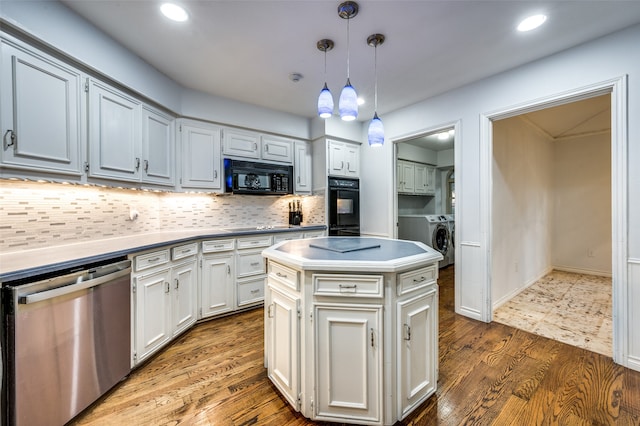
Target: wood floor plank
(490, 374)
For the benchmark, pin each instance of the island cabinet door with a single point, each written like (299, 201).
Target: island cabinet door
(283, 350)
(348, 349)
(216, 285)
(417, 350)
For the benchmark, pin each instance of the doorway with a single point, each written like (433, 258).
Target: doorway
(551, 222)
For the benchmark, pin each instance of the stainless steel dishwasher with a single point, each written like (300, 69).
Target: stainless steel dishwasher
(68, 341)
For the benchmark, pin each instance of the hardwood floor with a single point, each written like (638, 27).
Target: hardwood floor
(490, 374)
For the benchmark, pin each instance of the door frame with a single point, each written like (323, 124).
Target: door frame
(617, 88)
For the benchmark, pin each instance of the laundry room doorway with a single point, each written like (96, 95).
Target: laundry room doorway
(553, 219)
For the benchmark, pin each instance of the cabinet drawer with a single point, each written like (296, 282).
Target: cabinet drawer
(413, 280)
(253, 242)
(213, 246)
(250, 263)
(348, 285)
(250, 292)
(183, 251)
(284, 275)
(286, 237)
(149, 260)
(314, 234)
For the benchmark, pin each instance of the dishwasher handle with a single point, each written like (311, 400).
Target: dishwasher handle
(61, 291)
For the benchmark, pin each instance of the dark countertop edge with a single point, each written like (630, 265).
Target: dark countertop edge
(79, 262)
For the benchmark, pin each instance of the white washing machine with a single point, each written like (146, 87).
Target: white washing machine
(452, 232)
(433, 230)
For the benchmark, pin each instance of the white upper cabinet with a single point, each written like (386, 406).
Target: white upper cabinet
(416, 178)
(40, 104)
(275, 148)
(241, 143)
(158, 147)
(344, 159)
(115, 150)
(201, 160)
(302, 167)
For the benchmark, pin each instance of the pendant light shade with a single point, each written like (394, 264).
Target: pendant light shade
(375, 134)
(348, 105)
(325, 100)
(376, 131)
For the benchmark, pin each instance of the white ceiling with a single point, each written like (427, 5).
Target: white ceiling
(246, 49)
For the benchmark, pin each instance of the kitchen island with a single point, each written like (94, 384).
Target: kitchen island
(351, 327)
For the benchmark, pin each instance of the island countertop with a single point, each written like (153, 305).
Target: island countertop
(355, 254)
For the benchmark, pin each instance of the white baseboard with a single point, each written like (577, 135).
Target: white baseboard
(582, 271)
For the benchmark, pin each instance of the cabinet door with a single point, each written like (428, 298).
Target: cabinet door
(420, 179)
(282, 343)
(201, 162)
(348, 346)
(352, 160)
(302, 167)
(114, 134)
(277, 149)
(217, 285)
(417, 350)
(408, 172)
(153, 313)
(40, 112)
(337, 154)
(158, 152)
(185, 296)
(241, 144)
(431, 180)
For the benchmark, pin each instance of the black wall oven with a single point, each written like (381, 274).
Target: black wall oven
(344, 206)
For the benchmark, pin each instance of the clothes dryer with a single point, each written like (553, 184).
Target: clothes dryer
(432, 230)
(452, 233)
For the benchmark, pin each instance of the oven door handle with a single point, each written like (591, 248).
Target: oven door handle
(61, 291)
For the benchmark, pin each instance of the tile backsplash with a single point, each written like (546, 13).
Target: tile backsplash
(35, 215)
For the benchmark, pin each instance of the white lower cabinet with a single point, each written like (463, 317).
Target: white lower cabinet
(417, 349)
(217, 284)
(349, 363)
(282, 310)
(152, 313)
(165, 297)
(184, 279)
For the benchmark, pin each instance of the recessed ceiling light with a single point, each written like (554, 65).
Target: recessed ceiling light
(174, 12)
(360, 101)
(443, 136)
(532, 22)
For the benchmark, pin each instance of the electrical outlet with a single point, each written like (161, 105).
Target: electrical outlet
(133, 214)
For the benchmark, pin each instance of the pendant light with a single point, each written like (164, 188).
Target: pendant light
(375, 133)
(348, 103)
(325, 100)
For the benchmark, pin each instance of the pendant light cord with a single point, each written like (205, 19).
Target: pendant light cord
(375, 89)
(348, 50)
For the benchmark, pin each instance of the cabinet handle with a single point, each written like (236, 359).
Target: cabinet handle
(281, 275)
(168, 287)
(270, 311)
(255, 146)
(256, 291)
(298, 179)
(215, 174)
(186, 250)
(177, 283)
(348, 287)
(13, 138)
(255, 263)
(228, 270)
(348, 167)
(146, 165)
(137, 163)
(407, 332)
(266, 148)
(155, 259)
(341, 164)
(419, 280)
(373, 342)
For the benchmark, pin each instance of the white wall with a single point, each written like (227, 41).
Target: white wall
(582, 204)
(601, 60)
(522, 207)
(416, 153)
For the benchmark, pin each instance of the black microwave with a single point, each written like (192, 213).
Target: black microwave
(248, 177)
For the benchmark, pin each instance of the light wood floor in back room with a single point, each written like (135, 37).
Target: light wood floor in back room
(490, 374)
